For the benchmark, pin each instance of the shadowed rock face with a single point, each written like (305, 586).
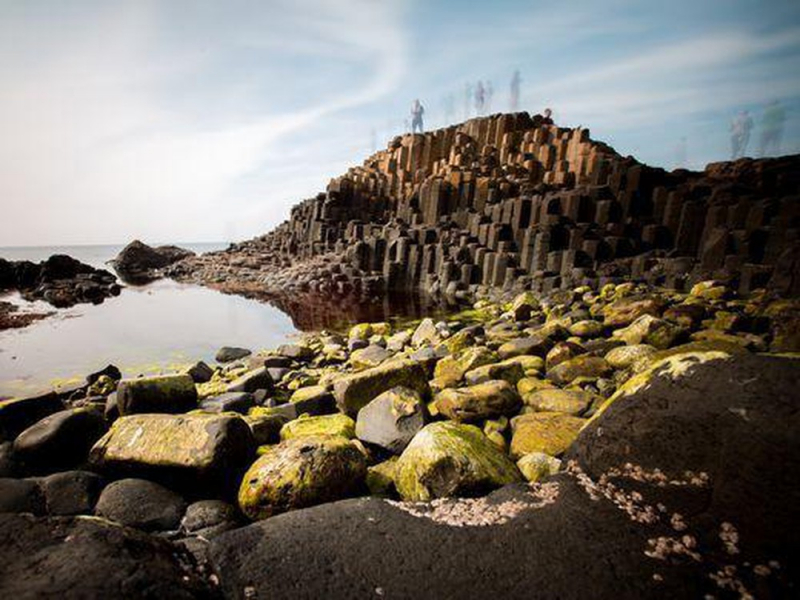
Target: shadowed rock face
(685, 485)
(514, 200)
(139, 263)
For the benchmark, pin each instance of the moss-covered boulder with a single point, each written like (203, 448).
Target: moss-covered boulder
(302, 472)
(305, 426)
(426, 333)
(507, 370)
(452, 459)
(184, 450)
(533, 384)
(626, 356)
(647, 329)
(380, 478)
(626, 310)
(250, 381)
(159, 394)
(587, 328)
(450, 370)
(533, 345)
(392, 419)
(531, 365)
(580, 366)
(368, 357)
(352, 392)
(548, 432)
(538, 465)
(570, 402)
(478, 402)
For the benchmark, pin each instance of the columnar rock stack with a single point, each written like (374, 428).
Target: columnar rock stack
(512, 199)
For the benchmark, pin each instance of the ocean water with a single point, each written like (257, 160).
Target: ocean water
(147, 328)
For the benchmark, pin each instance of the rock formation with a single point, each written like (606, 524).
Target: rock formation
(139, 263)
(512, 200)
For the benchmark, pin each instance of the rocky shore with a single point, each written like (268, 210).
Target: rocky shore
(630, 440)
(60, 281)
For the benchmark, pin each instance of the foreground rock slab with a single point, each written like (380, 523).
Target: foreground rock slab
(90, 558)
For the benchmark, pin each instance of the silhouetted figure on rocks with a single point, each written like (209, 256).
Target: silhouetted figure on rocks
(515, 83)
(772, 128)
(480, 98)
(548, 116)
(416, 116)
(741, 126)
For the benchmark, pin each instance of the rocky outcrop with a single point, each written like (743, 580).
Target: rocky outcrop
(515, 201)
(60, 281)
(139, 263)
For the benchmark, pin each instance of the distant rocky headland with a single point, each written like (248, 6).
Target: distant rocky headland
(612, 412)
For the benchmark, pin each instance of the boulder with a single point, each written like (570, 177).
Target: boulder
(537, 465)
(587, 329)
(302, 472)
(17, 414)
(534, 345)
(228, 354)
(200, 372)
(305, 426)
(158, 394)
(69, 557)
(368, 357)
(479, 402)
(265, 428)
(626, 310)
(208, 518)
(547, 432)
(392, 419)
(353, 392)
(380, 478)
(508, 370)
(451, 459)
(580, 366)
(647, 329)
(571, 402)
(141, 504)
(450, 370)
(21, 496)
(426, 333)
(139, 263)
(256, 379)
(239, 402)
(60, 441)
(71, 492)
(184, 450)
(298, 352)
(627, 356)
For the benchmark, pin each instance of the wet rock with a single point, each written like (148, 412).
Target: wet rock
(305, 426)
(183, 450)
(580, 366)
(209, 518)
(200, 372)
(537, 346)
(353, 392)
(159, 394)
(71, 492)
(478, 402)
(257, 379)
(239, 402)
(228, 354)
(60, 441)
(18, 414)
(548, 432)
(451, 459)
(392, 419)
(302, 472)
(141, 504)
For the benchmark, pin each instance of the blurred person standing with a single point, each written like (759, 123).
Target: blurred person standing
(515, 83)
(480, 98)
(416, 116)
(772, 128)
(741, 126)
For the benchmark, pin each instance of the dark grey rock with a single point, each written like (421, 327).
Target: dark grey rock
(296, 352)
(141, 504)
(71, 492)
(59, 441)
(208, 518)
(21, 496)
(158, 394)
(257, 379)
(392, 419)
(200, 372)
(67, 557)
(16, 415)
(238, 402)
(228, 354)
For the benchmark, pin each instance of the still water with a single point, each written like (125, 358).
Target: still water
(160, 326)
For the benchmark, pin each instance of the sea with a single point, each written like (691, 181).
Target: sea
(152, 328)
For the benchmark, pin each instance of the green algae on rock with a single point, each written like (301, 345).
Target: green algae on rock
(452, 459)
(302, 472)
(478, 402)
(548, 432)
(304, 426)
(158, 394)
(352, 392)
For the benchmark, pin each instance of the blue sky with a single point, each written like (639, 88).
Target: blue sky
(186, 120)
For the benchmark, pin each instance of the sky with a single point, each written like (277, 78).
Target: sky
(192, 120)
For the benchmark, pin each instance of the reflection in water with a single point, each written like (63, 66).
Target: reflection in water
(165, 325)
